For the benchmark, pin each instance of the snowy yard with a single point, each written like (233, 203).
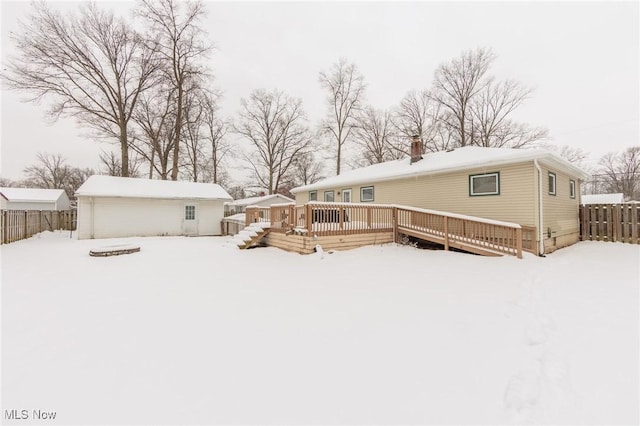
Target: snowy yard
(192, 330)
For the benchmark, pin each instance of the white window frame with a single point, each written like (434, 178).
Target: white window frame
(333, 196)
(347, 191)
(553, 178)
(314, 193)
(572, 188)
(367, 200)
(472, 193)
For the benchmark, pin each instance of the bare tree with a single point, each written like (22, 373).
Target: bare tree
(456, 83)
(195, 147)
(417, 114)
(489, 113)
(178, 39)
(111, 165)
(215, 130)
(621, 172)
(305, 170)
(276, 127)
(8, 183)
(92, 66)
(154, 118)
(345, 86)
(374, 135)
(52, 172)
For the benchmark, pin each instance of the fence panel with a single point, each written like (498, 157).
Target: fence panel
(610, 222)
(20, 224)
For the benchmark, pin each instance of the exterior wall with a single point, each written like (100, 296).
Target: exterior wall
(127, 217)
(450, 192)
(10, 205)
(560, 212)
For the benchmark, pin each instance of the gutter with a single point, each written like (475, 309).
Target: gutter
(540, 210)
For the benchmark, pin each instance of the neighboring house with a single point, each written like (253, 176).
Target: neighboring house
(603, 198)
(239, 206)
(121, 207)
(533, 188)
(33, 199)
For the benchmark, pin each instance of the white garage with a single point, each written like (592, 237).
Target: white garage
(110, 207)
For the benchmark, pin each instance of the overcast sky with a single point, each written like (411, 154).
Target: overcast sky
(581, 58)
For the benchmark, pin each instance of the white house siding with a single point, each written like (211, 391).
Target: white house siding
(124, 217)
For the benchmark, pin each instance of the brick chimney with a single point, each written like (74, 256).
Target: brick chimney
(416, 149)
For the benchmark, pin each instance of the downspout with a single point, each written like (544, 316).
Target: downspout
(540, 210)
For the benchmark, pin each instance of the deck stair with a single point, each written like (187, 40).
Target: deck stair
(251, 235)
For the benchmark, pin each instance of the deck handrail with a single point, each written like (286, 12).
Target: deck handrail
(454, 230)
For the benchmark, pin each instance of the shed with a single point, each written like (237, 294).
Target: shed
(617, 198)
(33, 199)
(239, 206)
(110, 207)
(531, 187)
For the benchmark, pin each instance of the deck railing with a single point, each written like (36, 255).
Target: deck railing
(324, 219)
(459, 230)
(257, 214)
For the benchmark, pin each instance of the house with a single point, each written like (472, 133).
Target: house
(33, 199)
(239, 206)
(617, 198)
(121, 207)
(530, 187)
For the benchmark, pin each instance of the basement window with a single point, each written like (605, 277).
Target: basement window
(366, 193)
(484, 184)
(313, 195)
(572, 188)
(552, 183)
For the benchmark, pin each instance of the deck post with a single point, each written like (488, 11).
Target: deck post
(309, 224)
(446, 233)
(519, 242)
(394, 219)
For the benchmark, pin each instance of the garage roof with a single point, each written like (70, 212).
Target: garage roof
(33, 195)
(111, 186)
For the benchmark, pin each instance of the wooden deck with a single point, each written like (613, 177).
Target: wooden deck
(300, 228)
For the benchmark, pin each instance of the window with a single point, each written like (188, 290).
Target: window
(313, 195)
(552, 183)
(485, 184)
(346, 195)
(189, 212)
(572, 188)
(366, 193)
(328, 196)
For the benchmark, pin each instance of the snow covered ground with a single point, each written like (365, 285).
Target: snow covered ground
(192, 330)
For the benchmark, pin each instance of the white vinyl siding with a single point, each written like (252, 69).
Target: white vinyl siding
(128, 217)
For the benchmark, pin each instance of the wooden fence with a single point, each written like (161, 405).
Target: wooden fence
(610, 222)
(20, 224)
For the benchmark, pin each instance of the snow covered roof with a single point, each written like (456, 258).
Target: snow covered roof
(603, 198)
(255, 200)
(111, 186)
(32, 195)
(443, 162)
